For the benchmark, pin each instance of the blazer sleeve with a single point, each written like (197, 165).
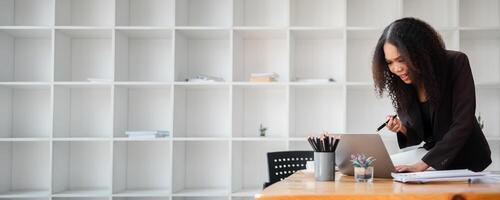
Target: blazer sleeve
(463, 107)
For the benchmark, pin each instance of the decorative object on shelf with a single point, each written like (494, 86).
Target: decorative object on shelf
(324, 156)
(264, 77)
(363, 168)
(147, 134)
(205, 78)
(262, 131)
(480, 121)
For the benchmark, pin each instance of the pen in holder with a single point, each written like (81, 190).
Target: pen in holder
(324, 156)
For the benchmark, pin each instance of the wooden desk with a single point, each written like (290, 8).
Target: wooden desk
(302, 185)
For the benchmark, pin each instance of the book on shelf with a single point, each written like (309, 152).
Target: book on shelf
(147, 134)
(264, 77)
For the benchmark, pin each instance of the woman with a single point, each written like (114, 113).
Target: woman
(432, 90)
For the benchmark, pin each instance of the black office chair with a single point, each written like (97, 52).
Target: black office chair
(282, 164)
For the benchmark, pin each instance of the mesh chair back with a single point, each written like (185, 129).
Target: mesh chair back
(284, 163)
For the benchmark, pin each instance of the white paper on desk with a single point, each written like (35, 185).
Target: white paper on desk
(439, 175)
(488, 179)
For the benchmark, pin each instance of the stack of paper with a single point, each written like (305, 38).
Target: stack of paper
(205, 78)
(264, 77)
(315, 80)
(441, 175)
(146, 134)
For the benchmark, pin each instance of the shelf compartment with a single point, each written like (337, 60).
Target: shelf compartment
(479, 13)
(261, 13)
(360, 13)
(360, 47)
(363, 117)
(487, 101)
(249, 164)
(145, 13)
(83, 54)
(142, 167)
(203, 13)
(317, 13)
(438, 13)
(25, 112)
(144, 55)
(195, 108)
(26, 13)
(19, 176)
(202, 52)
(258, 51)
(253, 106)
(82, 111)
(142, 108)
(483, 50)
(316, 109)
(85, 12)
(193, 161)
(25, 55)
(81, 168)
(317, 54)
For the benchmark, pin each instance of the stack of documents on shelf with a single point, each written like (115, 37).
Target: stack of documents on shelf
(439, 175)
(146, 134)
(315, 80)
(205, 78)
(264, 77)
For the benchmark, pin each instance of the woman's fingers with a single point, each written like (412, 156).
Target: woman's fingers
(394, 124)
(402, 168)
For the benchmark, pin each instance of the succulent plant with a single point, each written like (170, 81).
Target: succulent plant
(361, 160)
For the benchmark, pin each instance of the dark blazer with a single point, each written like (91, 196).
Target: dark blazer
(457, 140)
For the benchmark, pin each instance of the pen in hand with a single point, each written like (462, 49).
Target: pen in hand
(384, 124)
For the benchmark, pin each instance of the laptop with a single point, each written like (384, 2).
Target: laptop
(368, 144)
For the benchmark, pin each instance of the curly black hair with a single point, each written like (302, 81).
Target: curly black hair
(424, 52)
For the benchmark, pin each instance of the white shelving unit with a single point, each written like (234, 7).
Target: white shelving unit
(75, 75)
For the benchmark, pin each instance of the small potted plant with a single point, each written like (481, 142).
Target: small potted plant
(363, 167)
(262, 131)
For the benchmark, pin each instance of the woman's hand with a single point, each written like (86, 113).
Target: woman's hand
(395, 125)
(417, 167)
